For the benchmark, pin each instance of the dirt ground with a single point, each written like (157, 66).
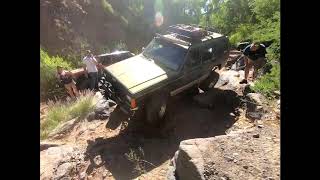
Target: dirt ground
(187, 120)
(106, 144)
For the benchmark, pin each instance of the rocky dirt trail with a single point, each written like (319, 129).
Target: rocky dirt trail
(95, 149)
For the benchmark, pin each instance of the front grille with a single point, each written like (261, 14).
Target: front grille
(118, 94)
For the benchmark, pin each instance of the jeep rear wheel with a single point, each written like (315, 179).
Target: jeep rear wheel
(156, 109)
(210, 81)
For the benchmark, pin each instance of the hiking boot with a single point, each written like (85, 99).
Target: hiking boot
(244, 81)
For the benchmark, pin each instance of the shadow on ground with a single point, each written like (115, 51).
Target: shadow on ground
(186, 120)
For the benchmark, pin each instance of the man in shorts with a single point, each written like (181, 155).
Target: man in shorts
(254, 57)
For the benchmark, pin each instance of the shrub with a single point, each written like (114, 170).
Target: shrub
(48, 81)
(136, 157)
(269, 83)
(118, 45)
(107, 7)
(59, 112)
(242, 32)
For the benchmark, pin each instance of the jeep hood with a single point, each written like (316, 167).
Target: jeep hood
(137, 73)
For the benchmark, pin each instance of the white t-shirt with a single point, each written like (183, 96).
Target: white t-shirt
(89, 62)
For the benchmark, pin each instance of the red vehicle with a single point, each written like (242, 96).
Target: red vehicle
(104, 61)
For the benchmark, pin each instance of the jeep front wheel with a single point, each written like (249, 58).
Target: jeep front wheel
(156, 109)
(210, 81)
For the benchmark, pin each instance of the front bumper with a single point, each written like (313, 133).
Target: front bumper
(123, 104)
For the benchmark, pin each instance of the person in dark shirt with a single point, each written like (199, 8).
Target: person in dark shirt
(65, 78)
(254, 57)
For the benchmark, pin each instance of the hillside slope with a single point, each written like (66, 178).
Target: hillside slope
(71, 26)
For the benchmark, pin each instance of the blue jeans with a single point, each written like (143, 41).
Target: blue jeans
(93, 80)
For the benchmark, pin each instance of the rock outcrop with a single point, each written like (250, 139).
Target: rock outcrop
(61, 130)
(250, 154)
(255, 106)
(61, 162)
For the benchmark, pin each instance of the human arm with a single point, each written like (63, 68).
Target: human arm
(94, 60)
(246, 50)
(262, 52)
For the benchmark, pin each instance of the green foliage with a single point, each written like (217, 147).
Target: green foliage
(59, 112)
(114, 46)
(48, 80)
(136, 6)
(124, 20)
(269, 29)
(258, 20)
(83, 105)
(269, 83)
(181, 11)
(118, 45)
(242, 32)
(274, 51)
(107, 7)
(228, 15)
(264, 9)
(104, 49)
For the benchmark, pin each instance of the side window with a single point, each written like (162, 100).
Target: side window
(193, 59)
(208, 52)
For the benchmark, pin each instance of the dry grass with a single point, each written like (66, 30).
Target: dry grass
(137, 158)
(59, 112)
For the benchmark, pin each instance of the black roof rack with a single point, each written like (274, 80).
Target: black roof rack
(175, 40)
(189, 33)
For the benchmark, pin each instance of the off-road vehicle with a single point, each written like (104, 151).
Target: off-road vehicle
(182, 58)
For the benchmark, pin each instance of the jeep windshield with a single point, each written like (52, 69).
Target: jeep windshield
(165, 53)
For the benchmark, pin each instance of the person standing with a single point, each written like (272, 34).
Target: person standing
(65, 78)
(254, 57)
(90, 67)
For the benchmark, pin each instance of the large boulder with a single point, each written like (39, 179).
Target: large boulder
(256, 106)
(102, 108)
(62, 129)
(60, 162)
(238, 155)
(101, 102)
(63, 171)
(45, 145)
(229, 80)
(189, 161)
(256, 98)
(217, 97)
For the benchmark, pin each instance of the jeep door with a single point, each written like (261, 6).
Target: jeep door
(191, 71)
(213, 53)
(208, 54)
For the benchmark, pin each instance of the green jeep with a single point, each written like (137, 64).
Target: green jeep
(183, 58)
